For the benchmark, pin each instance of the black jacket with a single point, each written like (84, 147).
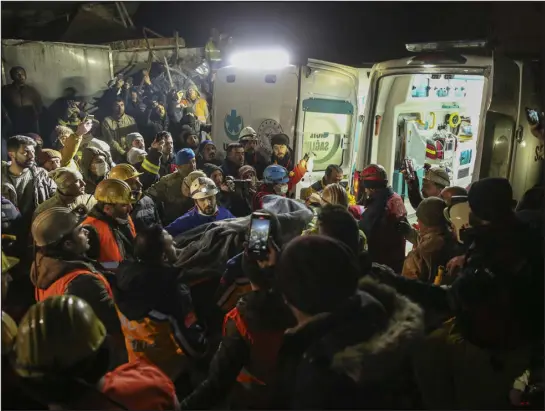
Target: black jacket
(355, 358)
(144, 213)
(257, 160)
(261, 311)
(230, 169)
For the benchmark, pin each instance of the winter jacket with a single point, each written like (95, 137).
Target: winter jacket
(150, 168)
(46, 270)
(167, 166)
(230, 169)
(414, 194)
(23, 105)
(144, 213)
(114, 132)
(155, 124)
(193, 219)
(384, 210)
(233, 284)
(157, 316)
(257, 160)
(91, 181)
(11, 218)
(262, 191)
(245, 362)
(356, 358)
(296, 171)
(434, 248)
(58, 200)
(44, 187)
(167, 193)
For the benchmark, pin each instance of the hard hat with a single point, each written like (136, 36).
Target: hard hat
(112, 191)
(334, 194)
(203, 187)
(374, 176)
(186, 184)
(53, 224)
(56, 334)
(8, 262)
(123, 172)
(458, 215)
(438, 175)
(275, 174)
(247, 133)
(9, 332)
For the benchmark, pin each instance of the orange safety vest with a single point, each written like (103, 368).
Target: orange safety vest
(109, 249)
(265, 346)
(59, 287)
(157, 339)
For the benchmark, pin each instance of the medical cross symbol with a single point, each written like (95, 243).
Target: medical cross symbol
(233, 125)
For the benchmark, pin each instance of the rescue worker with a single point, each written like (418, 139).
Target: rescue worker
(244, 366)
(335, 193)
(212, 49)
(111, 229)
(206, 210)
(167, 190)
(152, 164)
(137, 148)
(70, 192)
(282, 155)
(62, 356)
(434, 246)
(352, 346)
(94, 167)
(435, 180)
(144, 213)
(147, 292)
(384, 210)
(49, 159)
(234, 160)
(157, 118)
(199, 104)
(22, 102)
(275, 182)
(333, 174)
(189, 138)
(448, 192)
(252, 156)
(60, 267)
(168, 158)
(207, 154)
(89, 140)
(215, 173)
(115, 129)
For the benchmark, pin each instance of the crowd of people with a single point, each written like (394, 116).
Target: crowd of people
(128, 281)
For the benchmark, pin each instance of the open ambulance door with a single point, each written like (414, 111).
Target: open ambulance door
(326, 118)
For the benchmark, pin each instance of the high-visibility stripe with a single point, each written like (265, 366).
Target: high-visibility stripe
(150, 167)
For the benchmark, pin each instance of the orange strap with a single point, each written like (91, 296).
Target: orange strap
(59, 287)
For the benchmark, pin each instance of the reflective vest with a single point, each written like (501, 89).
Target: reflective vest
(109, 248)
(230, 297)
(59, 287)
(264, 348)
(157, 339)
(212, 52)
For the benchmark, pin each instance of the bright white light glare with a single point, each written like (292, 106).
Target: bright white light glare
(428, 65)
(261, 59)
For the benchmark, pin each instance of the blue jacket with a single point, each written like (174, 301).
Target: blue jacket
(193, 219)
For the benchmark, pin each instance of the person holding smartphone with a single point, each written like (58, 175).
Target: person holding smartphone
(244, 365)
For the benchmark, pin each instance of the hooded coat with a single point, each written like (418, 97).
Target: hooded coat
(91, 181)
(356, 358)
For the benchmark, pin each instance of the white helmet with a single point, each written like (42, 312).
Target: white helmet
(457, 214)
(203, 187)
(247, 133)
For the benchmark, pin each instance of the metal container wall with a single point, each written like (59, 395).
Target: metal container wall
(53, 67)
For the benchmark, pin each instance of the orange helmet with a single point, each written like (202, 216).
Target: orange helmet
(374, 176)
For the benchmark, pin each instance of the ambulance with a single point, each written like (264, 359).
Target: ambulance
(453, 104)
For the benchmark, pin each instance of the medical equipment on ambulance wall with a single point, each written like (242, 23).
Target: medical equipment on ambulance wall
(429, 123)
(466, 129)
(420, 87)
(465, 157)
(441, 148)
(453, 120)
(415, 143)
(440, 87)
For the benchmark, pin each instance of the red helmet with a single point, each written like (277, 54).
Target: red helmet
(374, 176)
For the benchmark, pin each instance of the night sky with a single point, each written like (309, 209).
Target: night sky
(344, 32)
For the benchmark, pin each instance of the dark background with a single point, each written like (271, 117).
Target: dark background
(344, 32)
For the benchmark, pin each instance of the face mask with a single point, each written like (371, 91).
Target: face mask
(281, 189)
(101, 169)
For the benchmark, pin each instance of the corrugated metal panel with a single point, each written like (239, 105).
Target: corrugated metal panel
(53, 67)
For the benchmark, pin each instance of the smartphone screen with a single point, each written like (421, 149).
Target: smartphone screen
(259, 235)
(533, 116)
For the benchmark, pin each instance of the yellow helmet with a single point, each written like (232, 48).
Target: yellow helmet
(9, 332)
(53, 224)
(334, 194)
(112, 191)
(124, 172)
(203, 187)
(186, 184)
(8, 262)
(55, 334)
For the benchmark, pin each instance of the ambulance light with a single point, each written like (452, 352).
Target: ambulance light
(445, 45)
(261, 59)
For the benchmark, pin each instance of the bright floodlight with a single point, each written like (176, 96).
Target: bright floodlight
(261, 59)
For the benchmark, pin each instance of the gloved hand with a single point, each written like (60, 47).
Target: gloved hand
(404, 228)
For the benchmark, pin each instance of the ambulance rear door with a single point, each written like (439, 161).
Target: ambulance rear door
(327, 117)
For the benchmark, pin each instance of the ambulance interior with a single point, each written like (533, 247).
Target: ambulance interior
(428, 118)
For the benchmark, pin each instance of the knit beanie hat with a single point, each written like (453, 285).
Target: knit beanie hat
(204, 144)
(430, 212)
(131, 137)
(184, 156)
(246, 169)
(209, 168)
(317, 274)
(47, 154)
(280, 139)
(136, 155)
(438, 175)
(491, 199)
